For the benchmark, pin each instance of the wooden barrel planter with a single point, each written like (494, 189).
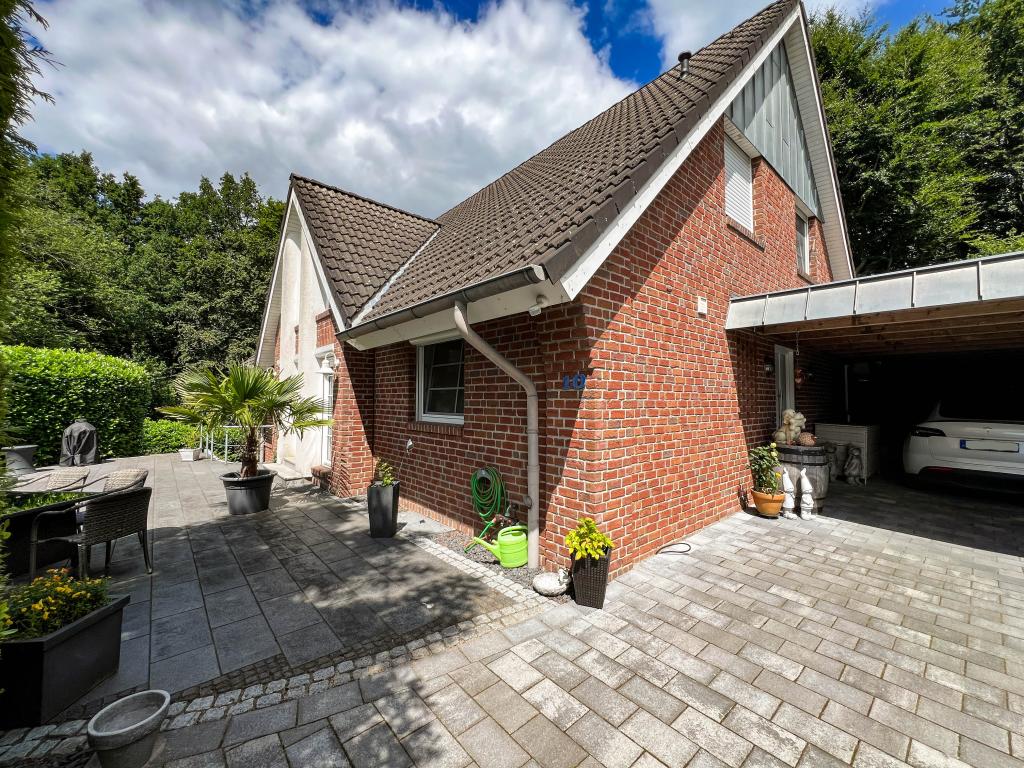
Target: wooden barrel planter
(812, 458)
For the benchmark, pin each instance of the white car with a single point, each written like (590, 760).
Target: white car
(952, 443)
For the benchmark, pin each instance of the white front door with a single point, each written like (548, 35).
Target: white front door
(785, 397)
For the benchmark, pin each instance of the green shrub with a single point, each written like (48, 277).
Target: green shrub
(166, 436)
(50, 388)
(587, 540)
(51, 602)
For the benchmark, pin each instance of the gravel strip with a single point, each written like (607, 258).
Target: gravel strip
(457, 542)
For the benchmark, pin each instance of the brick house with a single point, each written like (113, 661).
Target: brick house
(599, 272)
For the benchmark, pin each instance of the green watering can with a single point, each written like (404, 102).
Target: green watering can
(509, 547)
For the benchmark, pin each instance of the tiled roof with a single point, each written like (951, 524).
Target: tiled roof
(552, 207)
(361, 242)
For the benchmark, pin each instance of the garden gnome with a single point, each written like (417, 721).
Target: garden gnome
(854, 469)
(789, 490)
(806, 496)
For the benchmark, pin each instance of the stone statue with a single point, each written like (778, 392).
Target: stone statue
(833, 460)
(792, 425)
(806, 496)
(854, 469)
(789, 490)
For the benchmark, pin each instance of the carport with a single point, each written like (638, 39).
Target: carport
(900, 341)
(964, 306)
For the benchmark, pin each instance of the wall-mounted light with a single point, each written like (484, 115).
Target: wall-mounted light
(327, 365)
(769, 366)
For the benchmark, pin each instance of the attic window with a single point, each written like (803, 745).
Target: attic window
(739, 185)
(803, 251)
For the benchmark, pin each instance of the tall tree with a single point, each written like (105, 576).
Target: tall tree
(926, 124)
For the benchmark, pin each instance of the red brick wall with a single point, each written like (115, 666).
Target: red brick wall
(655, 446)
(351, 468)
(680, 401)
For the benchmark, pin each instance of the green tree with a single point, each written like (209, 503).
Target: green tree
(926, 125)
(167, 283)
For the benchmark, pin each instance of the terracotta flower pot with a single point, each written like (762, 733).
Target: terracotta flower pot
(768, 504)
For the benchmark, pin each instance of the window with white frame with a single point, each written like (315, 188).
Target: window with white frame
(326, 433)
(440, 388)
(803, 245)
(739, 185)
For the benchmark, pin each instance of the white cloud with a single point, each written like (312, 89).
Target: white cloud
(684, 25)
(408, 107)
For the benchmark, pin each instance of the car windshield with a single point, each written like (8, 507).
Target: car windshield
(989, 402)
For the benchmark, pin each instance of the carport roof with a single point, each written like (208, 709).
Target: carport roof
(960, 306)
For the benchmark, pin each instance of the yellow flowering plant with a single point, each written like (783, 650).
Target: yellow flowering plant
(51, 602)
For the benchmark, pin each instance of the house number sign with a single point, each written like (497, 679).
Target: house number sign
(574, 381)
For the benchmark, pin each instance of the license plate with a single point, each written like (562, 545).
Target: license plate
(1002, 446)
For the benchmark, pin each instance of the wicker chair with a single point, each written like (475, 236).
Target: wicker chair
(120, 480)
(69, 479)
(107, 518)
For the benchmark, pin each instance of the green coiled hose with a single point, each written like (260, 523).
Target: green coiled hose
(489, 496)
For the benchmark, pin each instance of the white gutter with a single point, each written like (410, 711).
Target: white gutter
(532, 435)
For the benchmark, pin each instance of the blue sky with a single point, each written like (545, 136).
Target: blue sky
(415, 103)
(624, 30)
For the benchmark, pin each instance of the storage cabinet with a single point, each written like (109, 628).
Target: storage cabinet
(867, 437)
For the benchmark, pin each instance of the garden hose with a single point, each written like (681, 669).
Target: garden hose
(489, 496)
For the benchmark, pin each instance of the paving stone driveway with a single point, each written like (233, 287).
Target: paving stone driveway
(771, 643)
(238, 600)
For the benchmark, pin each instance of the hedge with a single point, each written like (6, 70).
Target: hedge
(50, 388)
(167, 436)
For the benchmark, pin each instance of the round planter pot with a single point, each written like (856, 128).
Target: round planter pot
(247, 495)
(768, 504)
(18, 459)
(123, 733)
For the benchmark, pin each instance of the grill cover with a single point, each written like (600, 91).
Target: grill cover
(78, 446)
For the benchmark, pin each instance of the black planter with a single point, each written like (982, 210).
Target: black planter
(44, 676)
(590, 580)
(382, 502)
(248, 494)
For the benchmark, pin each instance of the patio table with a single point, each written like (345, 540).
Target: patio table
(22, 508)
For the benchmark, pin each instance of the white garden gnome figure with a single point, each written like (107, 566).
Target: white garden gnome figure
(789, 491)
(806, 496)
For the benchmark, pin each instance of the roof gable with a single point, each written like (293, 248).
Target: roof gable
(360, 243)
(767, 113)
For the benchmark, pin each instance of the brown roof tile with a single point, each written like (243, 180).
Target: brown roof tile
(361, 243)
(547, 210)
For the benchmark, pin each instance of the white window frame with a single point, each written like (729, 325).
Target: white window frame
(785, 390)
(327, 433)
(436, 418)
(739, 181)
(803, 255)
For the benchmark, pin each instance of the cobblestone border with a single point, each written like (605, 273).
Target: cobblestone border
(69, 737)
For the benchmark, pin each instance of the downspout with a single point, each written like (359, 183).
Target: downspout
(532, 418)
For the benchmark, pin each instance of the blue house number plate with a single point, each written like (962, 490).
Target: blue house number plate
(574, 381)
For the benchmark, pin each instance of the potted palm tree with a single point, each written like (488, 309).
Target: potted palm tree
(251, 398)
(764, 466)
(591, 552)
